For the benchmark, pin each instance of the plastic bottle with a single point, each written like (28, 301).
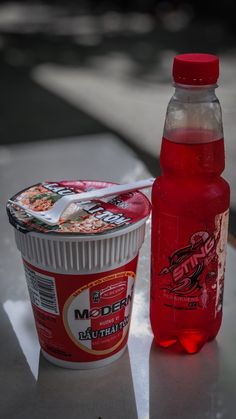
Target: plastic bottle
(190, 211)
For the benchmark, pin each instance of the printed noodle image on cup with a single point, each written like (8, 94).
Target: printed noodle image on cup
(81, 272)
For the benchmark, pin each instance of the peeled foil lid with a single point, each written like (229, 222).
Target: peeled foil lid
(95, 217)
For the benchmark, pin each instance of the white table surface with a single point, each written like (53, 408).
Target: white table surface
(146, 382)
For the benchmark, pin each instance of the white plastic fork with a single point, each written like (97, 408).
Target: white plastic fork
(52, 216)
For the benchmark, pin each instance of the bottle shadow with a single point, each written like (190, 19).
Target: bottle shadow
(183, 386)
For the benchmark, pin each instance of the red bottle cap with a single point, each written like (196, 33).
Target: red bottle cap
(196, 69)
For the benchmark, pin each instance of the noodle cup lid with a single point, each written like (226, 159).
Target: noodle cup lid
(97, 217)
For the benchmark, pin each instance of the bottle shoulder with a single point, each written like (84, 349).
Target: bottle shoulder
(190, 195)
(189, 181)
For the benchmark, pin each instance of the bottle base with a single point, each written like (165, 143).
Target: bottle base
(187, 341)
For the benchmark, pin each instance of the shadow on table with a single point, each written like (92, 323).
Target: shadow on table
(184, 386)
(33, 387)
(101, 393)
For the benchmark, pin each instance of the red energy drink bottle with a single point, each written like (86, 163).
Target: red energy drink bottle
(190, 211)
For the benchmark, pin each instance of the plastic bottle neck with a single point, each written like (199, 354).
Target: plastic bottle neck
(195, 112)
(193, 119)
(194, 94)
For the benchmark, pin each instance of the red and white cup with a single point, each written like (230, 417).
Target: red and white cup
(81, 273)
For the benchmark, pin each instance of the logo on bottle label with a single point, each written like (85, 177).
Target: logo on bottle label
(194, 275)
(187, 264)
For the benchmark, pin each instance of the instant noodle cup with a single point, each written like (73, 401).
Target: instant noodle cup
(81, 272)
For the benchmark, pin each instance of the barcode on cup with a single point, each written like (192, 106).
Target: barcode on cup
(42, 291)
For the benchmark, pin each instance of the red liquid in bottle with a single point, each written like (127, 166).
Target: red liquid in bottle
(189, 232)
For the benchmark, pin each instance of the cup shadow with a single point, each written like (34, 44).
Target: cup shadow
(96, 393)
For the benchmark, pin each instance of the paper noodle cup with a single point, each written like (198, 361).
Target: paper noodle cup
(81, 273)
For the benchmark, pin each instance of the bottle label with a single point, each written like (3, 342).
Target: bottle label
(82, 318)
(190, 275)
